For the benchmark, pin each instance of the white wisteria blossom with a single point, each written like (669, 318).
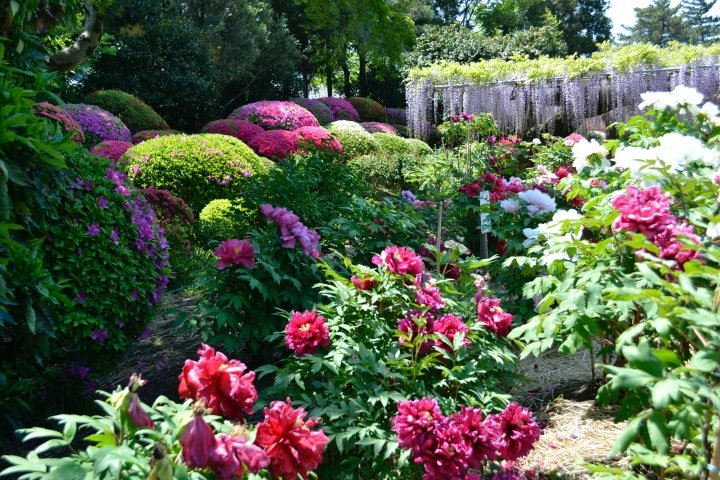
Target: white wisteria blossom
(680, 96)
(510, 205)
(584, 149)
(538, 202)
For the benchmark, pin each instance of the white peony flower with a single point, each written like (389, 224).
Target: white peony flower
(537, 202)
(510, 205)
(677, 151)
(713, 231)
(583, 149)
(634, 158)
(681, 96)
(536, 141)
(531, 236)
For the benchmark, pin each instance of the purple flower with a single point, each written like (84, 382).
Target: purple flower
(115, 237)
(78, 370)
(145, 334)
(408, 196)
(102, 203)
(99, 335)
(93, 230)
(80, 297)
(134, 294)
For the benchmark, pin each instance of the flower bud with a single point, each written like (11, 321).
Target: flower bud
(138, 416)
(197, 441)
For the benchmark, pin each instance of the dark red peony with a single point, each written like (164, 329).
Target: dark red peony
(306, 332)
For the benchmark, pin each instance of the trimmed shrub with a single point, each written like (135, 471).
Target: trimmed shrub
(374, 127)
(97, 124)
(105, 243)
(402, 131)
(275, 115)
(341, 109)
(322, 112)
(111, 149)
(354, 139)
(392, 144)
(380, 171)
(134, 113)
(319, 139)
(197, 168)
(139, 137)
(396, 116)
(275, 144)
(59, 114)
(240, 129)
(419, 147)
(222, 219)
(368, 109)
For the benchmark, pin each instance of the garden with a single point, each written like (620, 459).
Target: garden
(512, 274)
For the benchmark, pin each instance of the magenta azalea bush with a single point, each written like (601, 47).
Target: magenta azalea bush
(341, 109)
(379, 127)
(318, 138)
(275, 144)
(111, 149)
(275, 115)
(240, 129)
(97, 124)
(59, 114)
(141, 136)
(322, 112)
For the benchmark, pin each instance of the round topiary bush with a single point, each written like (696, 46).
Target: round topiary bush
(196, 168)
(111, 149)
(97, 124)
(396, 116)
(139, 137)
(240, 129)
(419, 148)
(276, 115)
(275, 144)
(134, 113)
(402, 130)
(222, 219)
(59, 114)
(392, 144)
(354, 139)
(375, 127)
(369, 110)
(318, 138)
(105, 243)
(381, 172)
(341, 109)
(322, 112)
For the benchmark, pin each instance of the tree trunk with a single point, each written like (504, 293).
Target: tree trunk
(346, 79)
(305, 66)
(363, 75)
(329, 80)
(86, 43)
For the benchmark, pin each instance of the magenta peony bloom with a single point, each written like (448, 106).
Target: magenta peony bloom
(306, 332)
(427, 294)
(416, 324)
(274, 144)
(643, 211)
(445, 454)
(480, 438)
(111, 149)
(197, 441)
(274, 115)
(232, 455)
(400, 260)
(138, 416)
(448, 325)
(240, 129)
(319, 138)
(671, 248)
(225, 385)
(235, 252)
(292, 230)
(341, 109)
(491, 314)
(415, 422)
(516, 431)
(288, 440)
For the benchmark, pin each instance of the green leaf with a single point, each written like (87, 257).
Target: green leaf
(627, 436)
(657, 430)
(665, 391)
(67, 470)
(705, 361)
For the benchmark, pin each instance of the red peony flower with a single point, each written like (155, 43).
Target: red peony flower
(306, 332)
(415, 422)
(480, 438)
(235, 252)
(225, 386)
(502, 247)
(491, 314)
(364, 283)
(289, 442)
(448, 325)
(472, 189)
(517, 431)
(138, 416)
(414, 324)
(197, 441)
(563, 172)
(232, 455)
(400, 260)
(427, 294)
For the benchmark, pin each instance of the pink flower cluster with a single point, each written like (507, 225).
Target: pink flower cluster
(305, 332)
(235, 252)
(463, 117)
(572, 139)
(318, 138)
(111, 149)
(647, 211)
(499, 187)
(341, 109)
(400, 260)
(273, 115)
(372, 127)
(274, 144)
(322, 112)
(491, 314)
(422, 327)
(60, 115)
(450, 448)
(240, 129)
(292, 230)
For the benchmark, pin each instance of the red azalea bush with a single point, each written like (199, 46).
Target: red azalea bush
(142, 135)
(274, 115)
(240, 129)
(275, 144)
(369, 110)
(59, 114)
(318, 138)
(111, 149)
(373, 127)
(341, 109)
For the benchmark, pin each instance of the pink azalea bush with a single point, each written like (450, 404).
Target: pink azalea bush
(320, 110)
(59, 114)
(318, 138)
(275, 144)
(275, 115)
(240, 129)
(373, 127)
(341, 109)
(111, 149)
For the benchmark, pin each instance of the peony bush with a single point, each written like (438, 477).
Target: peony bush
(133, 112)
(240, 129)
(97, 124)
(275, 115)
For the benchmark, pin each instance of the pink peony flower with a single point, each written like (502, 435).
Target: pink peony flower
(479, 438)
(491, 314)
(138, 416)
(415, 421)
(232, 455)
(448, 325)
(400, 260)
(235, 252)
(225, 385)
(672, 248)
(572, 139)
(643, 211)
(427, 294)
(289, 442)
(292, 230)
(306, 332)
(197, 441)
(517, 431)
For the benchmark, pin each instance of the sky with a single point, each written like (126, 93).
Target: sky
(622, 12)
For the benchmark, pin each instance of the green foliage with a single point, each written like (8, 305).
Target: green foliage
(419, 147)
(459, 130)
(134, 113)
(354, 139)
(197, 168)
(392, 144)
(222, 219)
(659, 24)
(383, 173)
(368, 109)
